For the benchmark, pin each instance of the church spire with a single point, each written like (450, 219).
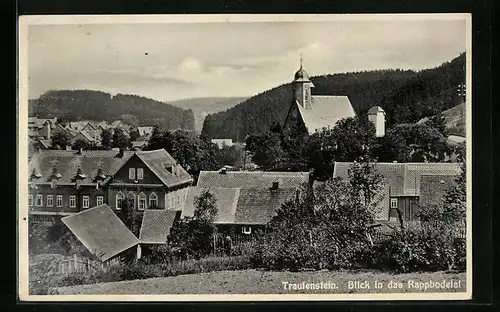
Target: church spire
(300, 60)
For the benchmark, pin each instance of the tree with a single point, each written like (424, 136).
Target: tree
(231, 155)
(193, 236)
(81, 144)
(106, 137)
(128, 216)
(121, 140)
(265, 149)
(134, 135)
(348, 140)
(414, 143)
(60, 140)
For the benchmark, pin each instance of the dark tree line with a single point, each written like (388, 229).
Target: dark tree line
(96, 105)
(406, 96)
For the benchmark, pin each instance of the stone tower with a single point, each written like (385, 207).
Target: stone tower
(302, 88)
(377, 115)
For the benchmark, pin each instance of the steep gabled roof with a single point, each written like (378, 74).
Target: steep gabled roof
(258, 205)
(160, 163)
(325, 111)
(156, 225)
(226, 202)
(249, 179)
(101, 232)
(68, 162)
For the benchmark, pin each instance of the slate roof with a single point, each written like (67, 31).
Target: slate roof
(160, 163)
(403, 179)
(68, 162)
(156, 225)
(101, 231)
(139, 144)
(325, 111)
(87, 135)
(258, 206)
(226, 201)
(35, 122)
(251, 179)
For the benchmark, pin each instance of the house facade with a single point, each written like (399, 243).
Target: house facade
(407, 186)
(66, 182)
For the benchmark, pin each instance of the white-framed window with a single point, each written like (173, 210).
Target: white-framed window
(141, 201)
(72, 201)
(172, 203)
(119, 200)
(30, 200)
(246, 230)
(86, 201)
(394, 203)
(153, 200)
(50, 200)
(178, 200)
(131, 173)
(59, 200)
(131, 198)
(140, 173)
(39, 200)
(100, 200)
(393, 219)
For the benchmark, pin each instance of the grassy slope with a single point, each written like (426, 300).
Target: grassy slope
(263, 282)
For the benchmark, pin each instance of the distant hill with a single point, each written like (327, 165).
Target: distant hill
(209, 105)
(74, 105)
(406, 96)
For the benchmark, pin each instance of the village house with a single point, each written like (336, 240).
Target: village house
(64, 182)
(246, 201)
(42, 128)
(145, 132)
(407, 186)
(223, 142)
(103, 234)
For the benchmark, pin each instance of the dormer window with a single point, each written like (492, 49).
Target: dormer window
(55, 175)
(80, 175)
(35, 175)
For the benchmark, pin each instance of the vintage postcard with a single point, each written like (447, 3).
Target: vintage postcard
(244, 157)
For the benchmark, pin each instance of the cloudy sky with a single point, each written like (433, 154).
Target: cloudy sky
(178, 60)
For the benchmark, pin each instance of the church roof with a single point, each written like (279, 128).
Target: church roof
(325, 111)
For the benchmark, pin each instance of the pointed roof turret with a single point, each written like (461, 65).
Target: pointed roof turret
(55, 173)
(35, 174)
(301, 74)
(80, 174)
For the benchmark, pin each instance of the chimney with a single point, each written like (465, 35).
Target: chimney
(48, 130)
(275, 186)
(223, 170)
(377, 116)
(80, 151)
(121, 152)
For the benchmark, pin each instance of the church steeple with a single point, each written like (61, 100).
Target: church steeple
(302, 87)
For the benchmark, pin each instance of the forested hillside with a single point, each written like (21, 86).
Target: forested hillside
(96, 105)
(406, 96)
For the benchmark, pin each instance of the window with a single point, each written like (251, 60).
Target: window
(131, 198)
(30, 200)
(50, 200)
(153, 200)
(39, 200)
(72, 201)
(86, 202)
(141, 201)
(246, 230)
(172, 204)
(100, 200)
(177, 202)
(131, 173)
(59, 201)
(140, 173)
(119, 200)
(394, 203)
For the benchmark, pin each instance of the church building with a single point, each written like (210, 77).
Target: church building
(315, 112)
